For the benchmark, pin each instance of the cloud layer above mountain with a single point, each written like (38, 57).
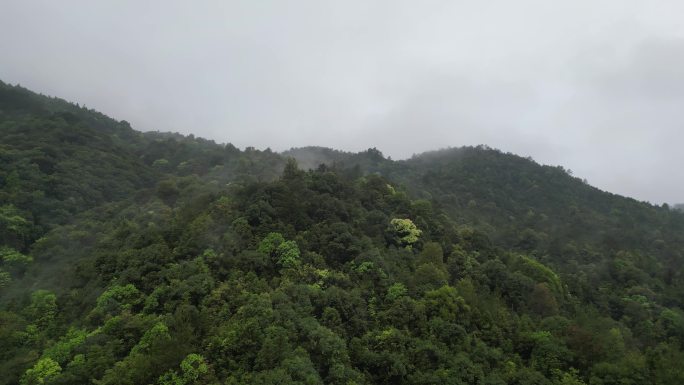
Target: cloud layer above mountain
(597, 87)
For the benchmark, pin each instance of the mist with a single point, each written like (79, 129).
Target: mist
(596, 87)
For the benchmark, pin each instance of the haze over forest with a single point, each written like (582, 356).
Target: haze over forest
(596, 87)
(341, 193)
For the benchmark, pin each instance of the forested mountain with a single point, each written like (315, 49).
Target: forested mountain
(155, 258)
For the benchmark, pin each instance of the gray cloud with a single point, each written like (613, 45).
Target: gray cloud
(594, 86)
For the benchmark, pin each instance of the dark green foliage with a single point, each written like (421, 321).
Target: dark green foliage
(131, 258)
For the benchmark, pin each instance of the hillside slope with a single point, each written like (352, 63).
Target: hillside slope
(131, 258)
(58, 159)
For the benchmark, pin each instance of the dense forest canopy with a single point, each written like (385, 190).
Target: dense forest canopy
(156, 258)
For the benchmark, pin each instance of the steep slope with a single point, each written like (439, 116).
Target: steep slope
(606, 247)
(58, 159)
(561, 220)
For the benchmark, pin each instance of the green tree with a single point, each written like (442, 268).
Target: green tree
(285, 253)
(395, 291)
(431, 253)
(116, 299)
(5, 279)
(43, 308)
(405, 231)
(41, 372)
(15, 229)
(14, 261)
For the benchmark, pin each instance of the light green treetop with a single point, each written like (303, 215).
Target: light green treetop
(41, 371)
(406, 231)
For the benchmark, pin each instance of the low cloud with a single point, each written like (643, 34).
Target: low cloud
(595, 87)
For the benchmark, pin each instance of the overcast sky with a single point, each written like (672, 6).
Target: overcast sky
(595, 86)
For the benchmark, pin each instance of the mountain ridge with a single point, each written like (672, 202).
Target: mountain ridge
(178, 260)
